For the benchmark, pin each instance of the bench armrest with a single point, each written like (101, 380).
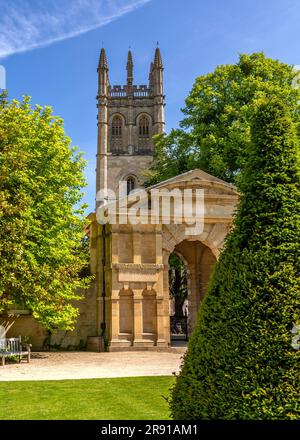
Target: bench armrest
(26, 345)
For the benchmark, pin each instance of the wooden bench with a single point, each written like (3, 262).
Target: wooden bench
(14, 347)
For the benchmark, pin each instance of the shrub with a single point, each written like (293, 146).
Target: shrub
(240, 363)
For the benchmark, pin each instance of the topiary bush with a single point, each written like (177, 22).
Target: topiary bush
(240, 362)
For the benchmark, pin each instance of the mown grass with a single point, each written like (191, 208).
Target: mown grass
(138, 398)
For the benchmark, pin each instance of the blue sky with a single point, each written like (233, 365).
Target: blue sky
(50, 49)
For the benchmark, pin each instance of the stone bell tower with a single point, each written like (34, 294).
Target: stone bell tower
(128, 117)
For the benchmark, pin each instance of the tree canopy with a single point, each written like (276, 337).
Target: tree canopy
(215, 131)
(42, 222)
(241, 363)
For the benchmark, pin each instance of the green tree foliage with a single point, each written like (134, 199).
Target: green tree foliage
(41, 232)
(215, 132)
(240, 363)
(173, 154)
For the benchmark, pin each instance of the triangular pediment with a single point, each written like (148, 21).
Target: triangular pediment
(216, 191)
(198, 178)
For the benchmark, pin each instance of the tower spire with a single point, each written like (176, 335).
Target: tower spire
(129, 68)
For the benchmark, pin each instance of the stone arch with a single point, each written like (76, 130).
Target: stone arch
(129, 173)
(138, 117)
(124, 178)
(113, 115)
(213, 236)
(199, 254)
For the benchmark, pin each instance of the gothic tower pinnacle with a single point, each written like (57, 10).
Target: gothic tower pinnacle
(102, 117)
(157, 58)
(102, 70)
(129, 68)
(157, 86)
(102, 59)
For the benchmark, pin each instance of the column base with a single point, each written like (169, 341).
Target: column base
(162, 343)
(143, 343)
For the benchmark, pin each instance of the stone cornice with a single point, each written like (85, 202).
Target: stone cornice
(138, 266)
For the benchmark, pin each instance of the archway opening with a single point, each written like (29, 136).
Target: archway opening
(178, 298)
(195, 262)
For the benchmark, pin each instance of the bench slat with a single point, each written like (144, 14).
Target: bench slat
(11, 347)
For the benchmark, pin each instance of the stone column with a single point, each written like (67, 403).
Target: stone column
(163, 315)
(138, 317)
(114, 320)
(162, 322)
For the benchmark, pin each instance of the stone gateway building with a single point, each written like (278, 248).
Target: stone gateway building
(128, 305)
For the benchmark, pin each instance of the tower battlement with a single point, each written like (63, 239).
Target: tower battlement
(140, 91)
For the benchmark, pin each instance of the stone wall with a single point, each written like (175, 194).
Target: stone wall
(24, 325)
(120, 167)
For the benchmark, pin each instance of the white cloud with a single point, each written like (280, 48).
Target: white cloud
(29, 24)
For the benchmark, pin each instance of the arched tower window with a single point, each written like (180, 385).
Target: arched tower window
(144, 126)
(130, 184)
(116, 128)
(117, 135)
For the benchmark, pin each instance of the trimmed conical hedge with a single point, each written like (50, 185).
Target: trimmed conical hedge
(240, 363)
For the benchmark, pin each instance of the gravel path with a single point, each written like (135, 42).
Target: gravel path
(87, 365)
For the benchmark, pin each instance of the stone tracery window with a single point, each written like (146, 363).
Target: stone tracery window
(144, 126)
(116, 135)
(116, 128)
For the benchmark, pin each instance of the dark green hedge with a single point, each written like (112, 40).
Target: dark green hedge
(240, 363)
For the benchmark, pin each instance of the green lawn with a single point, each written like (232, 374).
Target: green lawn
(139, 398)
